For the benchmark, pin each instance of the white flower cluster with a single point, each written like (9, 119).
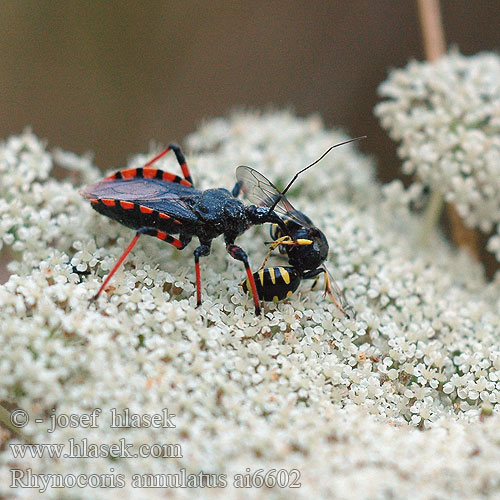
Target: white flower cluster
(342, 401)
(446, 114)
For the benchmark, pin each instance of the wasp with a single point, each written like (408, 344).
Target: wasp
(305, 245)
(161, 204)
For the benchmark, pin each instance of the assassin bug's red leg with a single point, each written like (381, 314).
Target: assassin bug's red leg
(143, 230)
(148, 173)
(239, 254)
(202, 251)
(182, 162)
(180, 158)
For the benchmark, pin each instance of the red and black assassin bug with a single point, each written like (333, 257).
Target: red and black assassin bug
(159, 204)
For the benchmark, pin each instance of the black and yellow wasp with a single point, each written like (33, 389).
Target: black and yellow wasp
(305, 246)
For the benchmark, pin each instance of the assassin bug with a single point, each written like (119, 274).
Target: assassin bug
(159, 204)
(305, 245)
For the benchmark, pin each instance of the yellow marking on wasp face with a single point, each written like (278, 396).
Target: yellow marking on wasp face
(261, 277)
(275, 299)
(288, 293)
(302, 241)
(285, 275)
(271, 273)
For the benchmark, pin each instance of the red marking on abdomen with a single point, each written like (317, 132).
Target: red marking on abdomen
(149, 173)
(167, 176)
(127, 205)
(129, 174)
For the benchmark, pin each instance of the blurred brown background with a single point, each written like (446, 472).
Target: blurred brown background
(109, 76)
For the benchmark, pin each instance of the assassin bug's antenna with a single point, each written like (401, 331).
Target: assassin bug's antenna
(309, 166)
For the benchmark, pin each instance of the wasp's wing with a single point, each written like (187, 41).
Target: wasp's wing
(262, 192)
(335, 293)
(166, 197)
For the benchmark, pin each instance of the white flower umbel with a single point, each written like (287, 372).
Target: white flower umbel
(446, 115)
(390, 404)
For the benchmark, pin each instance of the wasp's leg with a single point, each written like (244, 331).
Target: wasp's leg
(274, 231)
(239, 254)
(332, 290)
(315, 284)
(150, 232)
(202, 251)
(272, 247)
(266, 258)
(281, 243)
(314, 274)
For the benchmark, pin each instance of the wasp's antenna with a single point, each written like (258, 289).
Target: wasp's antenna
(311, 165)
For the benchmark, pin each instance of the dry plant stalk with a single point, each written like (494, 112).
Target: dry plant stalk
(434, 44)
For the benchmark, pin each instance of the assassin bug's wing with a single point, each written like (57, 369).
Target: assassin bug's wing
(166, 197)
(262, 192)
(335, 293)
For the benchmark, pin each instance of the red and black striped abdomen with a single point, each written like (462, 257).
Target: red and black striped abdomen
(135, 215)
(144, 202)
(147, 173)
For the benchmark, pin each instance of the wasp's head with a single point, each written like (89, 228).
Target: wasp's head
(307, 257)
(304, 257)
